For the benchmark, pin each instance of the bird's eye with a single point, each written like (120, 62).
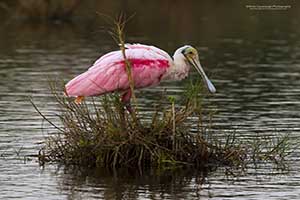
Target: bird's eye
(190, 53)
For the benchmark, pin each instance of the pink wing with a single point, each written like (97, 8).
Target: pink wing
(150, 48)
(108, 73)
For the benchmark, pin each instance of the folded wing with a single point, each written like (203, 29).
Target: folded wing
(109, 74)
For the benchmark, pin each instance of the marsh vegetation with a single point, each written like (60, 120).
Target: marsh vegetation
(101, 132)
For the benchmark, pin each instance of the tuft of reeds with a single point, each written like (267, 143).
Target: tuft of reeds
(102, 133)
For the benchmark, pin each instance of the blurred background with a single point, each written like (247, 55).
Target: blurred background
(181, 20)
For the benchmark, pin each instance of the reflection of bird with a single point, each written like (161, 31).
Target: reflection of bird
(149, 65)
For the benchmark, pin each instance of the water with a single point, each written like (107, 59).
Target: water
(252, 58)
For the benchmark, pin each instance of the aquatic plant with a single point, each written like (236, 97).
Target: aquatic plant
(102, 133)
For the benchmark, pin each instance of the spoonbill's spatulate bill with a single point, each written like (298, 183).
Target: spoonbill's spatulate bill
(150, 65)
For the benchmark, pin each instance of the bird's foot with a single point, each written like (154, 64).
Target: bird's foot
(79, 99)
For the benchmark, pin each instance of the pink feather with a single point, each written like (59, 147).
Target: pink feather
(108, 73)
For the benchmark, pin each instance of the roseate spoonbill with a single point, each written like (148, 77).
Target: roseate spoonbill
(150, 65)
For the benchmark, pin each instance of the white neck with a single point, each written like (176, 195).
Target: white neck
(179, 69)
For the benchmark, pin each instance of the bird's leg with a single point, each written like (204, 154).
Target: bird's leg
(126, 100)
(128, 107)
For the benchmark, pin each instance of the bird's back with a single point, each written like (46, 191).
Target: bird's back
(109, 74)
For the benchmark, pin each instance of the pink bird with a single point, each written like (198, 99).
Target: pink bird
(149, 66)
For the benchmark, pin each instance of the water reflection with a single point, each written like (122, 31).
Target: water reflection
(124, 184)
(177, 184)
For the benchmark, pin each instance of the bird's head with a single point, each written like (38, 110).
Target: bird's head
(191, 56)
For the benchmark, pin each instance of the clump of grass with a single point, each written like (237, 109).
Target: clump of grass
(102, 133)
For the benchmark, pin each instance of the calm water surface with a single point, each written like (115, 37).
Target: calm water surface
(253, 62)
